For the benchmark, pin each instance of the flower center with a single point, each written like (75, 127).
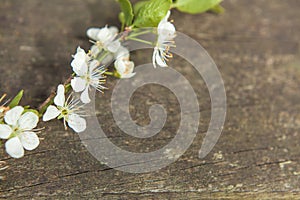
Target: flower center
(64, 112)
(16, 132)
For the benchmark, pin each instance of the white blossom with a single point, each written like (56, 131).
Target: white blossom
(123, 65)
(88, 74)
(18, 129)
(70, 111)
(166, 33)
(105, 38)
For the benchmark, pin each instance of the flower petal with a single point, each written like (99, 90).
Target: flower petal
(155, 52)
(79, 67)
(5, 131)
(59, 99)
(79, 63)
(167, 15)
(122, 52)
(159, 60)
(166, 32)
(95, 50)
(84, 97)
(28, 121)
(29, 140)
(78, 124)
(93, 65)
(120, 66)
(104, 35)
(113, 30)
(14, 147)
(114, 46)
(92, 33)
(51, 113)
(165, 19)
(78, 84)
(11, 117)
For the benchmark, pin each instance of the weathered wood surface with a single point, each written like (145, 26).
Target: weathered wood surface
(256, 47)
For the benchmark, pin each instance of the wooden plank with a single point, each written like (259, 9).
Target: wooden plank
(255, 45)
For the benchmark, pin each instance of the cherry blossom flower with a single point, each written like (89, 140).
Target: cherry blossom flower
(166, 33)
(105, 38)
(124, 67)
(18, 129)
(88, 74)
(68, 110)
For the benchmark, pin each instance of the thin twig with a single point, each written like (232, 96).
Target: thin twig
(52, 95)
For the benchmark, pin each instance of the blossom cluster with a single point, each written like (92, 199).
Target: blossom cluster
(18, 124)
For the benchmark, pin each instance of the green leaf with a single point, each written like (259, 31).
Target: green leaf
(32, 110)
(16, 100)
(218, 9)
(127, 10)
(122, 19)
(138, 6)
(152, 12)
(195, 6)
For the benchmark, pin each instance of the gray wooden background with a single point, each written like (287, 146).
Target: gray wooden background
(256, 47)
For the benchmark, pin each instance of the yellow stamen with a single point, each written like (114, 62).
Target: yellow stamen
(3, 96)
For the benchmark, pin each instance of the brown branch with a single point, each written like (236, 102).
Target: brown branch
(52, 95)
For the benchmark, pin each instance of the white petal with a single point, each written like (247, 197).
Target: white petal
(84, 97)
(114, 46)
(79, 66)
(120, 66)
(78, 84)
(29, 140)
(79, 50)
(51, 113)
(122, 52)
(165, 19)
(95, 50)
(154, 57)
(28, 121)
(125, 68)
(167, 15)
(5, 131)
(166, 32)
(92, 33)
(93, 65)
(129, 66)
(11, 117)
(79, 63)
(14, 147)
(59, 99)
(104, 35)
(78, 124)
(160, 61)
(113, 30)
